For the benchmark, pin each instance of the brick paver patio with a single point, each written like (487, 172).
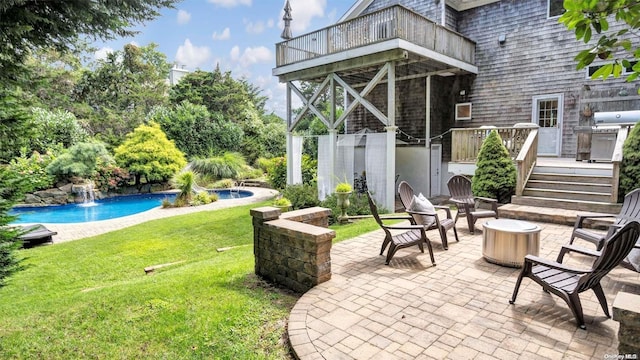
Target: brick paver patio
(458, 309)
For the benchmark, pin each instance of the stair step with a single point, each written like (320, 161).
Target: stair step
(567, 204)
(570, 185)
(568, 195)
(568, 170)
(591, 179)
(549, 215)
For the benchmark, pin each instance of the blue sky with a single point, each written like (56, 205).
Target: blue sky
(240, 35)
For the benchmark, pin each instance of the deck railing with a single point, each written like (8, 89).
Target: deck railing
(526, 161)
(392, 22)
(466, 143)
(616, 159)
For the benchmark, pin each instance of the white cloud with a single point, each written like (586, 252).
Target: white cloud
(102, 53)
(224, 35)
(254, 28)
(230, 3)
(183, 17)
(270, 23)
(302, 12)
(251, 55)
(192, 56)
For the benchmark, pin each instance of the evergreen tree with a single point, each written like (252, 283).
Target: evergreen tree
(630, 166)
(495, 175)
(11, 190)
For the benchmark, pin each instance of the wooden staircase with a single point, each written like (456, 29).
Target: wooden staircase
(570, 185)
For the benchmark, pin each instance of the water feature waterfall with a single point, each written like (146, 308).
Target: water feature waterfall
(88, 195)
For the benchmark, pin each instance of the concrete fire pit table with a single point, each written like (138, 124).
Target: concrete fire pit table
(506, 241)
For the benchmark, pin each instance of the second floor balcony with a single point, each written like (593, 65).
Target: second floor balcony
(395, 29)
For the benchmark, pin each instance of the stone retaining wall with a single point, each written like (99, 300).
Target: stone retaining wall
(72, 193)
(626, 310)
(292, 248)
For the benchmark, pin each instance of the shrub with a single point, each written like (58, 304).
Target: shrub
(630, 166)
(359, 205)
(223, 184)
(495, 175)
(184, 183)
(80, 160)
(202, 198)
(11, 190)
(51, 128)
(277, 173)
(282, 201)
(301, 196)
(229, 165)
(263, 164)
(111, 177)
(148, 152)
(344, 187)
(33, 168)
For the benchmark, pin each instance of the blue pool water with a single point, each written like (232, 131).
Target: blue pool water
(105, 209)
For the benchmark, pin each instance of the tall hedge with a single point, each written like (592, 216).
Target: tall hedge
(630, 166)
(495, 175)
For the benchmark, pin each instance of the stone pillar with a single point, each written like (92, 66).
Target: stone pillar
(626, 311)
(291, 249)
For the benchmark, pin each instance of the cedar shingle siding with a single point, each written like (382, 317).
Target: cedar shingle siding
(536, 59)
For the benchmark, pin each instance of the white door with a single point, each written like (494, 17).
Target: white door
(436, 167)
(547, 113)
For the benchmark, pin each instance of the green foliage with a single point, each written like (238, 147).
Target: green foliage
(358, 205)
(302, 196)
(262, 139)
(343, 187)
(122, 90)
(630, 166)
(110, 177)
(277, 171)
(223, 184)
(12, 189)
(33, 168)
(617, 47)
(148, 153)
(82, 159)
(282, 201)
(203, 198)
(495, 175)
(15, 123)
(184, 182)
(229, 165)
(52, 128)
(28, 25)
(196, 131)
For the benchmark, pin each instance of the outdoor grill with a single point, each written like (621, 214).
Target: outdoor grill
(597, 142)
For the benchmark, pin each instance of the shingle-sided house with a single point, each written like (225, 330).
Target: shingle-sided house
(416, 73)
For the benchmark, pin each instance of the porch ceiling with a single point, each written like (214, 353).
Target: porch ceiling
(360, 65)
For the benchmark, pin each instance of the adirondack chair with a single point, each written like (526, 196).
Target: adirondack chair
(567, 282)
(432, 220)
(461, 195)
(416, 234)
(630, 211)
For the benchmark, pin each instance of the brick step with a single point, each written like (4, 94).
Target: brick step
(550, 215)
(583, 179)
(567, 204)
(570, 185)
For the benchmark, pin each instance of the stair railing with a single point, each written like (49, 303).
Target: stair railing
(616, 159)
(526, 161)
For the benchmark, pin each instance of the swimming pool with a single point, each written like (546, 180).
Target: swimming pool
(104, 209)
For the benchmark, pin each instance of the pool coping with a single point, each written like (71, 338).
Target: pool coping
(75, 231)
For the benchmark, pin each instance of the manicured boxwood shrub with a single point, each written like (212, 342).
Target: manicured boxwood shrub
(630, 166)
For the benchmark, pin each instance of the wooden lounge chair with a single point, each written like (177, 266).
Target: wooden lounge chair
(630, 211)
(35, 234)
(431, 219)
(461, 195)
(416, 234)
(567, 282)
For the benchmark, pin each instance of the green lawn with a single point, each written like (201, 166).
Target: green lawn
(91, 298)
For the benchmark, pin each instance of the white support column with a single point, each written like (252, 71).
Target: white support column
(427, 129)
(333, 144)
(390, 202)
(289, 138)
